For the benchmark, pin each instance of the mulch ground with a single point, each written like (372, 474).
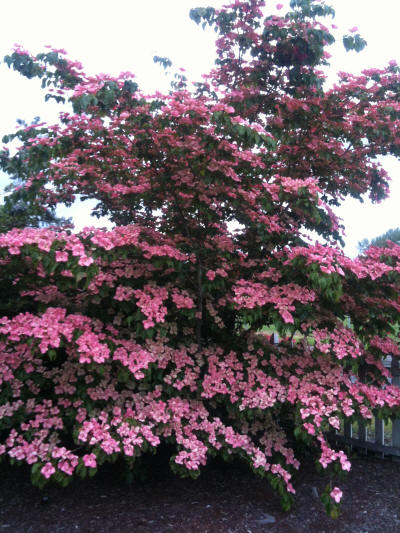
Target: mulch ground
(223, 500)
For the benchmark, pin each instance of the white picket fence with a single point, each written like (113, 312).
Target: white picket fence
(375, 436)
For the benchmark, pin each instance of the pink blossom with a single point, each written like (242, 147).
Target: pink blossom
(48, 470)
(13, 250)
(89, 460)
(85, 261)
(123, 293)
(336, 494)
(61, 256)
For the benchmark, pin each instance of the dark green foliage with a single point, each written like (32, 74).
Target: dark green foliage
(18, 211)
(381, 241)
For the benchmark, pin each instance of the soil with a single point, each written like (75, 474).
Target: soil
(225, 499)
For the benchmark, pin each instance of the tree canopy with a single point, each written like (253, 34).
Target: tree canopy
(151, 333)
(392, 235)
(20, 208)
(17, 212)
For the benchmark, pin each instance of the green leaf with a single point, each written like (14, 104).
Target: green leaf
(92, 472)
(52, 354)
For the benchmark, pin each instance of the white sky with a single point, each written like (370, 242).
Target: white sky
(125, 35)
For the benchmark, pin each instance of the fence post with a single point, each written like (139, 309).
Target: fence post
(396, 382)
(362, 428)
(348, 430)
(347, 426)
(379, 431)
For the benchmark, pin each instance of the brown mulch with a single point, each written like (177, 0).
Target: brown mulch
(223, 500)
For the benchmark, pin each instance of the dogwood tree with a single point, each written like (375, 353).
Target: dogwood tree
(151, 332)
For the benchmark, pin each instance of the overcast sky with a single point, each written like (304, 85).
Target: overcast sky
(125, 35)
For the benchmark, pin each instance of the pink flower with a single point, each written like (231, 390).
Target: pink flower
(182, 301)
(13, 250)
(89, 460)
(123, 293)
(66, 467)
(210, 275)
(336, 494)
(279, 6)
(48, 470)
(353, 29)
(44, 245)
(61, 257)
(85, 261)
(287, 317)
